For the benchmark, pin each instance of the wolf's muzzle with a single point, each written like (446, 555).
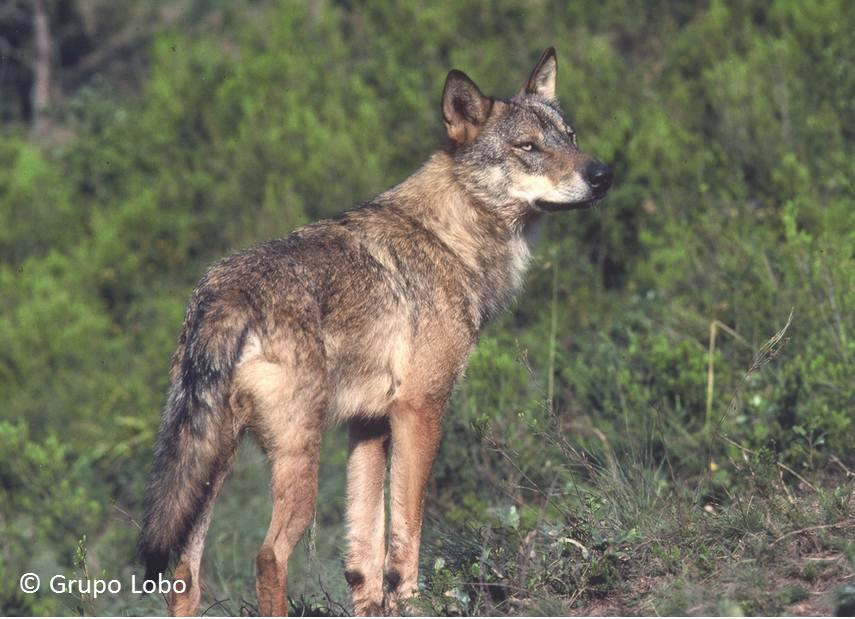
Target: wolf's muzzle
(599, 176)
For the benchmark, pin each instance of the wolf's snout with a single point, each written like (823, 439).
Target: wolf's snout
(599, 176)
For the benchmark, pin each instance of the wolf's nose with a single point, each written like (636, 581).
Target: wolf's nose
(599, 176)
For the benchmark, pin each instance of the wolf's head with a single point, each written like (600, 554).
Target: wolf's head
(520, 153)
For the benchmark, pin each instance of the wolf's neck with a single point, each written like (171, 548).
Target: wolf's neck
(494, 250)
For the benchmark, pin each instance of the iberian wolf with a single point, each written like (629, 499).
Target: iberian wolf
(367, 319)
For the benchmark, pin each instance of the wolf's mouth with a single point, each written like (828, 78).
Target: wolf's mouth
(566, 206)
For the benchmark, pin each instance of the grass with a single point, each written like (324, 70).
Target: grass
(611, 535)
(773, 544)
(579, 523)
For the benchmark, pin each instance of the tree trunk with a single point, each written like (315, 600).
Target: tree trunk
(41, 66)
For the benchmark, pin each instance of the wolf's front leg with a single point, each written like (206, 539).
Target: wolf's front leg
(415, 437)
(366, 474)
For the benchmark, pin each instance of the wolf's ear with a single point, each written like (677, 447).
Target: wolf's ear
(542, 79)
(464, 108)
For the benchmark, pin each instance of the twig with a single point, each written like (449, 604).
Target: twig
(715, 325)
(780, 464)
(495, 447)
(503, 585)
(221, 604)
(735, 444)
(128, 516)
(802, 479)
(247, 608)
(786, 490)
(843, 524)
(772, 347)
(832, 558)
(837, 461)
(330, 602)
(576, 595)
(569, 540)
(764, 355)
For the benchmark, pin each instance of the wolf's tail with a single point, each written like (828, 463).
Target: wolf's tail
(196, 439)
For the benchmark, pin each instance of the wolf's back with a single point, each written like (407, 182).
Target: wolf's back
(194, 441)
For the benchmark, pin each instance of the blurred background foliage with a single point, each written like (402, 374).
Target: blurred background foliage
(139, 142)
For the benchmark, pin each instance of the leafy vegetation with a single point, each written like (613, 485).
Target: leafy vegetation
(662, 424)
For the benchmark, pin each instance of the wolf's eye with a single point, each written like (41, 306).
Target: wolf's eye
(571, 134)
(526, 146)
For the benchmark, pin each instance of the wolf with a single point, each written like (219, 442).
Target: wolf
(367, 320)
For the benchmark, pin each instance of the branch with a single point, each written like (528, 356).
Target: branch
(843, 524)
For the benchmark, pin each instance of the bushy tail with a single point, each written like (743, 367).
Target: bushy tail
(195, 442)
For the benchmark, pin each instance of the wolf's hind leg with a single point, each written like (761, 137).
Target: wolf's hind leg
(285, 382)
(366, 472)
(186, 603)
(294, 489)
(289, 408)
(415, 438)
